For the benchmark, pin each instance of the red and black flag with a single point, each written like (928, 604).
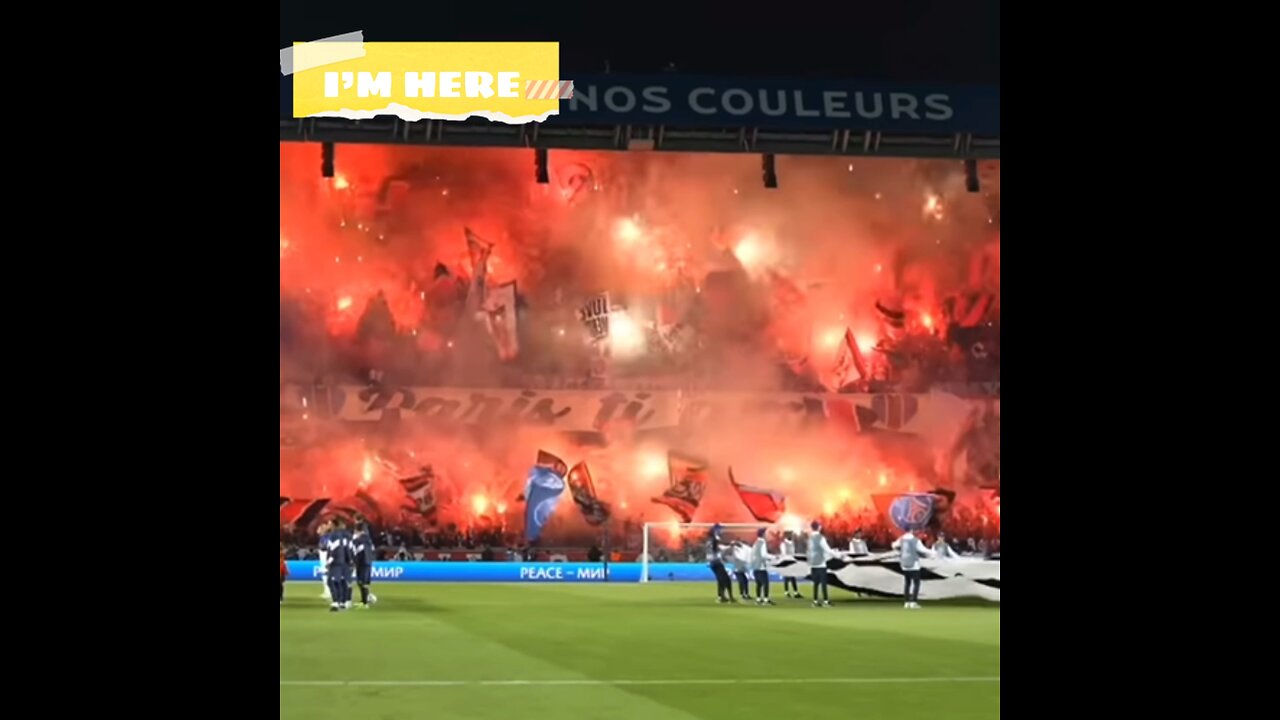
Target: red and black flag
(688, 484)
(420, 490)
(552, 463)
(301, 513)
(594, 510)
(763, 504)
(359, 508)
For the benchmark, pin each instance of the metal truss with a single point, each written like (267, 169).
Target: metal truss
(483, 133)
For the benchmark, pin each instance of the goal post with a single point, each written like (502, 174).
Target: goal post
(660, 536)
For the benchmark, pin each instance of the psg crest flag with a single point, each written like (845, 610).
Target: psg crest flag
(909, 511)
(542, 490)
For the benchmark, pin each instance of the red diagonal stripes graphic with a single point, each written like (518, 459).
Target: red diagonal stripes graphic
(548, 90)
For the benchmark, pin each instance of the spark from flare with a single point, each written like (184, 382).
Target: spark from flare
(653, 465)
(628, 231)
(626, 337)
(933, 206)
(791, 522)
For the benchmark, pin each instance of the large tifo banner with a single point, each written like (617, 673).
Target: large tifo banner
(878, 575)
(594, 410)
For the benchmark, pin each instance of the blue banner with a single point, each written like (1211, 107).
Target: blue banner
(542, 491)
(516, 572)
(772, 103)
(912, 511)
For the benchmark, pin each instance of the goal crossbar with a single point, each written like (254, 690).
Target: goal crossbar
(644, 553)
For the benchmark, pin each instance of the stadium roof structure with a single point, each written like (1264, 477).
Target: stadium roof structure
(683, 113)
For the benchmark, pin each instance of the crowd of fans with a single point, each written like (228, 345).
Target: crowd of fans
(552, 357)
(967, 530)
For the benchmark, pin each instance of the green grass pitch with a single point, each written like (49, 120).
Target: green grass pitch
(624, 651)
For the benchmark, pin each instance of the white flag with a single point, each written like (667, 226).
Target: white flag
(501, 319)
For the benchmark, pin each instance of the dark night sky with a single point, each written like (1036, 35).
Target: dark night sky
(939, 41)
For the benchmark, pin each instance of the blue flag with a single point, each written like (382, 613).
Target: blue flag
(912, 511)
(542, 491)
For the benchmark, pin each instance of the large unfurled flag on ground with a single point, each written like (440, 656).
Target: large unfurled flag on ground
(420, 490)
(301, 513)
(479, 250)
(542, 490)
(500, 317)
(908, 511)
(764, 505)
(595, 316)
(594, 510)
(848, 361)
(688, 483)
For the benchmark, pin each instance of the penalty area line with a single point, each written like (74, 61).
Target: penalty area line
(605, 683)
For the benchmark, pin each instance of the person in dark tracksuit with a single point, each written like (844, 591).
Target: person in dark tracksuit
(284, 573)
(716, 550)
(363, 543)
(341, 557)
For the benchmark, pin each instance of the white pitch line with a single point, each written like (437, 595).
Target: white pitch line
(603, 683)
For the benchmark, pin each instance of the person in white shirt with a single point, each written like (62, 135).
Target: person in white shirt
(788, 549)
(911, 549)
(858, 546)
(819, 553)
(741, 561)
(760, 558)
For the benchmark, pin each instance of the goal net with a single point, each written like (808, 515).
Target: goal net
(688, 542)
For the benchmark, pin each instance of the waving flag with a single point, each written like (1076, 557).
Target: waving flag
(479, 250)
(764, 505)
(301, 513)
(552, 463)
(688, 483)
(849, 360)
(594, 314)
(542, 490)
(421, 493)
(594, 510)
(500, 318)
(574, 179)
(908, 511)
